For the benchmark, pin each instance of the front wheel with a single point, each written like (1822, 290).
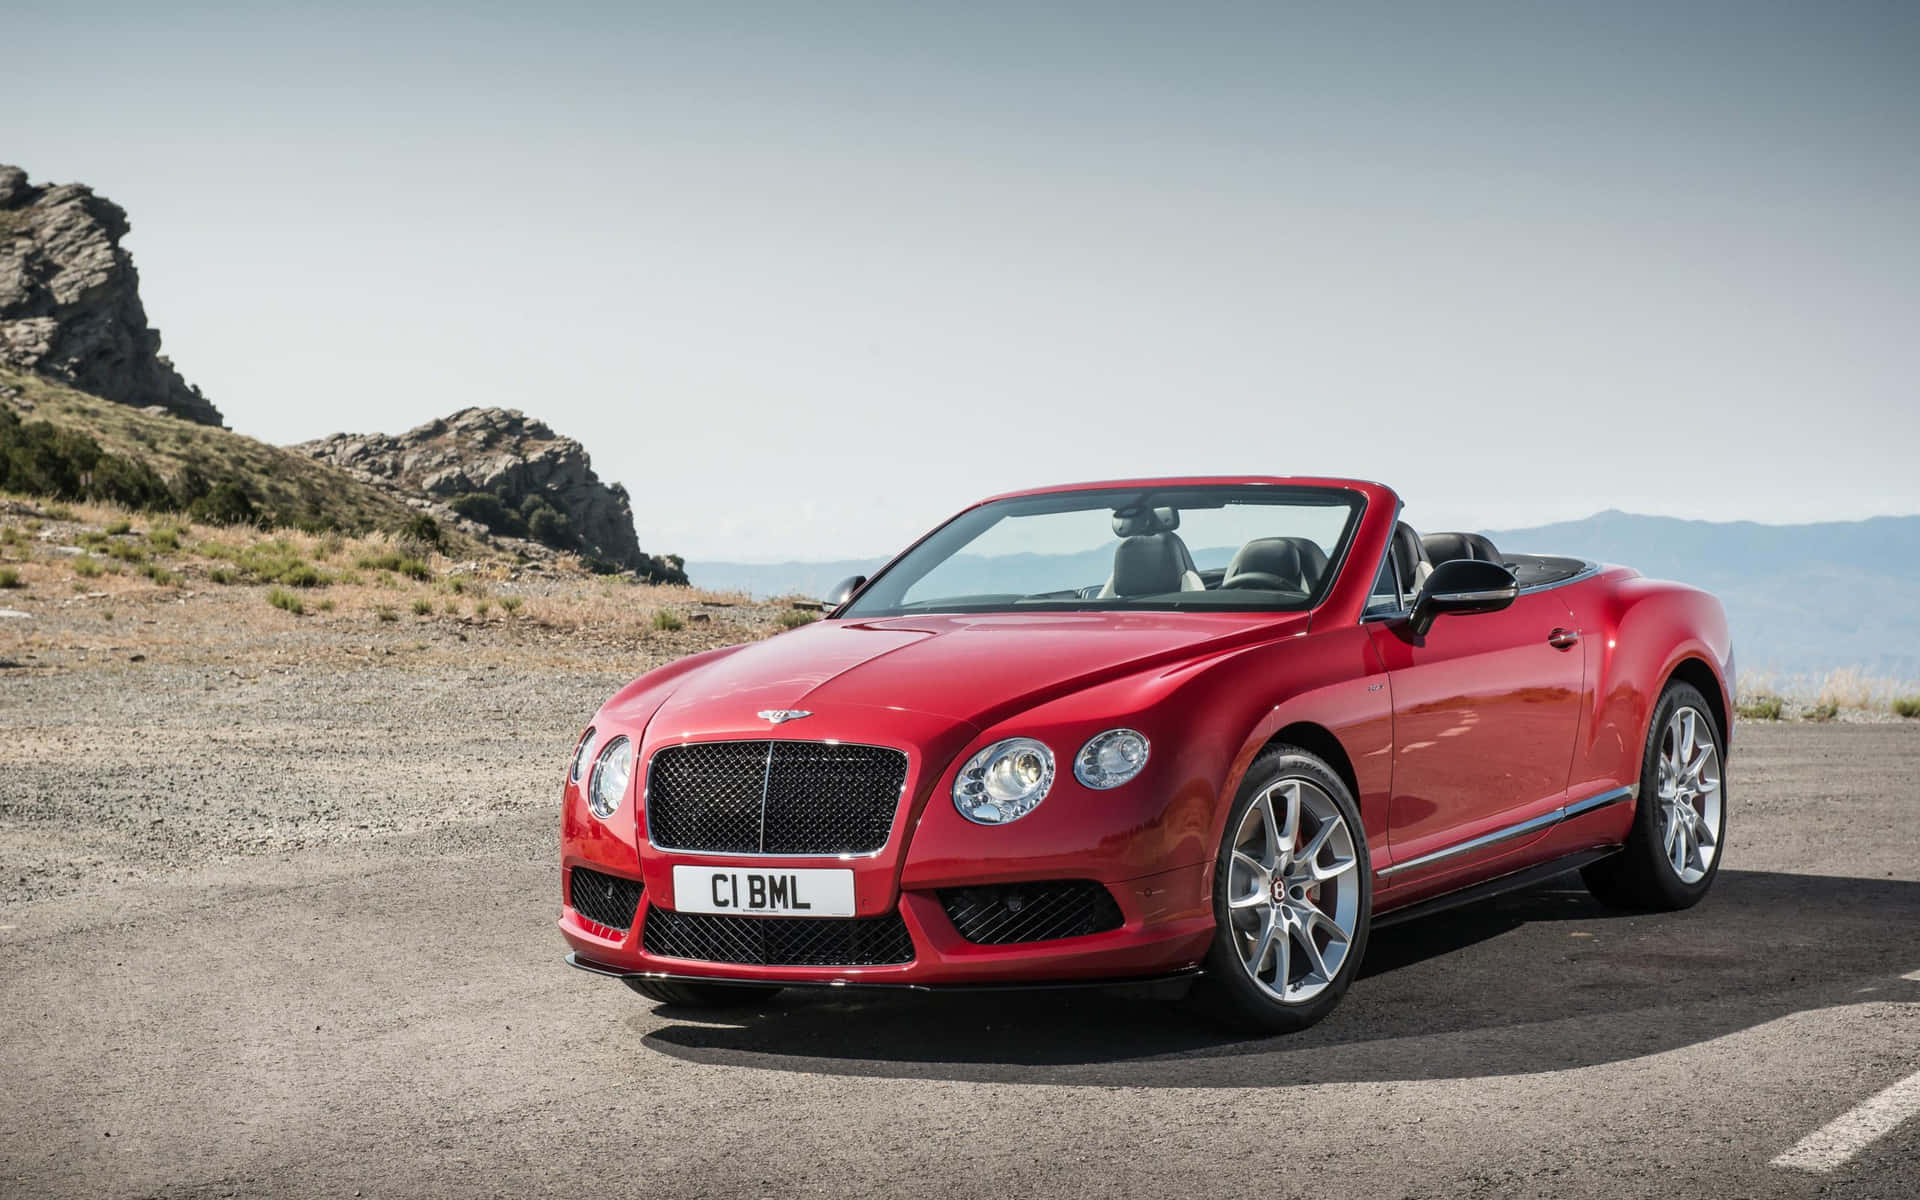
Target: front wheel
(1673, 851)
(1292, 897)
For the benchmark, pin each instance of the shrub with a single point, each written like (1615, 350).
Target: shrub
(794, 618)
(422, 606)
(385, 560)
(86, 568)
(668, 622)
(511, 603)
(420, 530)
(127, 552)
(1761, 708)
(164, 537)
(221, 575)
(489, 510)
(452, 607)
(303, 575)
(328, 545)
(480, 608)
(386, 614)
(325, 605)
(227, 503)
(117, 528)
(281, 598)
(1907, 706)
(413, 568)
(59, 512)
(160, 575)
(549, 525)
(1826, 710)
(10, 578)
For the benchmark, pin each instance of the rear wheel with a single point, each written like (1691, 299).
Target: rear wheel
(1292, 897)
(683, 994)
(1673, 852)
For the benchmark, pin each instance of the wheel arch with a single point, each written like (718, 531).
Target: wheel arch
(1699, 673)
(1318, 740)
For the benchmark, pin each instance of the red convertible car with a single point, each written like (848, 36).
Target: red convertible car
(1127, 731)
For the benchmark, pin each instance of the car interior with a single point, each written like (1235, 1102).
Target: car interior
(1152, 560)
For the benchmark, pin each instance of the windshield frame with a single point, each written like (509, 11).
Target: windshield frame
(863, 606)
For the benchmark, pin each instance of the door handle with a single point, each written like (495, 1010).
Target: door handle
(1564, 639)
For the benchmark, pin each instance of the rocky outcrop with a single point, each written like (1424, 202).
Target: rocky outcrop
(510, 474)
(70, 300)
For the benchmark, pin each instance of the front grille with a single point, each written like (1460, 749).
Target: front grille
(603, 899)
(773, 797)
(1031, 912)
(778, 941)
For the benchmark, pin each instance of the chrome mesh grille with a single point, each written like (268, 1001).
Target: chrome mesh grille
(773, 797)
(1031, 912)
(778, 941)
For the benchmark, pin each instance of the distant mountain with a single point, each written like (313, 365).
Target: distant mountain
(1802, 599)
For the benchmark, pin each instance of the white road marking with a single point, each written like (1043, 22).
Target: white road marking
(1831, 1145)
(1913, 975)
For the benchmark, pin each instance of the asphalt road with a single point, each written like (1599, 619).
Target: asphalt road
(390, 1016)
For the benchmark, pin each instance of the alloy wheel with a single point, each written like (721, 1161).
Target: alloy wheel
(1690, 795)
(1293, 895)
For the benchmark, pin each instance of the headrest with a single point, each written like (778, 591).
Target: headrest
(1445, 547)
(1408, 553)
(1146, 566)
(1271, 563)
(1135, 522)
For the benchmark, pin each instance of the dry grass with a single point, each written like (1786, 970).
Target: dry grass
(81, 566)
(1822, 697)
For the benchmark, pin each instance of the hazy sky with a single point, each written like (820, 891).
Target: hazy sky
(807, 277)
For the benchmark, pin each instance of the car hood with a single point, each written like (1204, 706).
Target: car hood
(977, 668)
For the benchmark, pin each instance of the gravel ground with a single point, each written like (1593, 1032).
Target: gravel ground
(277, 918)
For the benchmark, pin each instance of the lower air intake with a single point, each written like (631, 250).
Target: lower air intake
(778, 941)
(1031, 912)
(603, 899)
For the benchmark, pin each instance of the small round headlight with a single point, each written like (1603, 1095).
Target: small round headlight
(580, 755)
(610, 774)
(1004, 782)
(1110, 759)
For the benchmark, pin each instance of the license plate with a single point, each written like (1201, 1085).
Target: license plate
(817, 892)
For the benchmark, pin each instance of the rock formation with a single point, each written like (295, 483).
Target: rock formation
(509, 473)
(70, 300)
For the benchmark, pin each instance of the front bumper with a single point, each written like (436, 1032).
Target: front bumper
(1167, 924)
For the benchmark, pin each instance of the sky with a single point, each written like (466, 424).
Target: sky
(808, 277)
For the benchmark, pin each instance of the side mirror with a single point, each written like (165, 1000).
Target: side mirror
(1462, 585)
(843, 591)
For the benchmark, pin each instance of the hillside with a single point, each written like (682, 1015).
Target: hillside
(283, 486)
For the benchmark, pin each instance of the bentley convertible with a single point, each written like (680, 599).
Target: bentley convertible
(1215, 728)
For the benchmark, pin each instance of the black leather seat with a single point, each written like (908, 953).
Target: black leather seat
(1277, 564)
(1148, 545)
(1446, 547)
(1147, 565)
(1410, 557)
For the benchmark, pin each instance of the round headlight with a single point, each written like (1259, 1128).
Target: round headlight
(580, 755)
(1110, 759)
(610, 774)
(1004, 782)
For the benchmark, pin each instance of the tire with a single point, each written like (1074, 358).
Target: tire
(1647, 873)
(682, 994)
(1258, 998)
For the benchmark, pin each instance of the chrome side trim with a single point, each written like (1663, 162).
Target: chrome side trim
(1581, 576)
(1581, 808)
(1520, 829)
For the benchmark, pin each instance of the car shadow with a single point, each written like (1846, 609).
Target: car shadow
(1540, 980)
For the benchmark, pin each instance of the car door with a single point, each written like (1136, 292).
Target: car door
(1486, 708)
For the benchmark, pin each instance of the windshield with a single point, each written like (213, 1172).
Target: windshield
(1228, 547)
